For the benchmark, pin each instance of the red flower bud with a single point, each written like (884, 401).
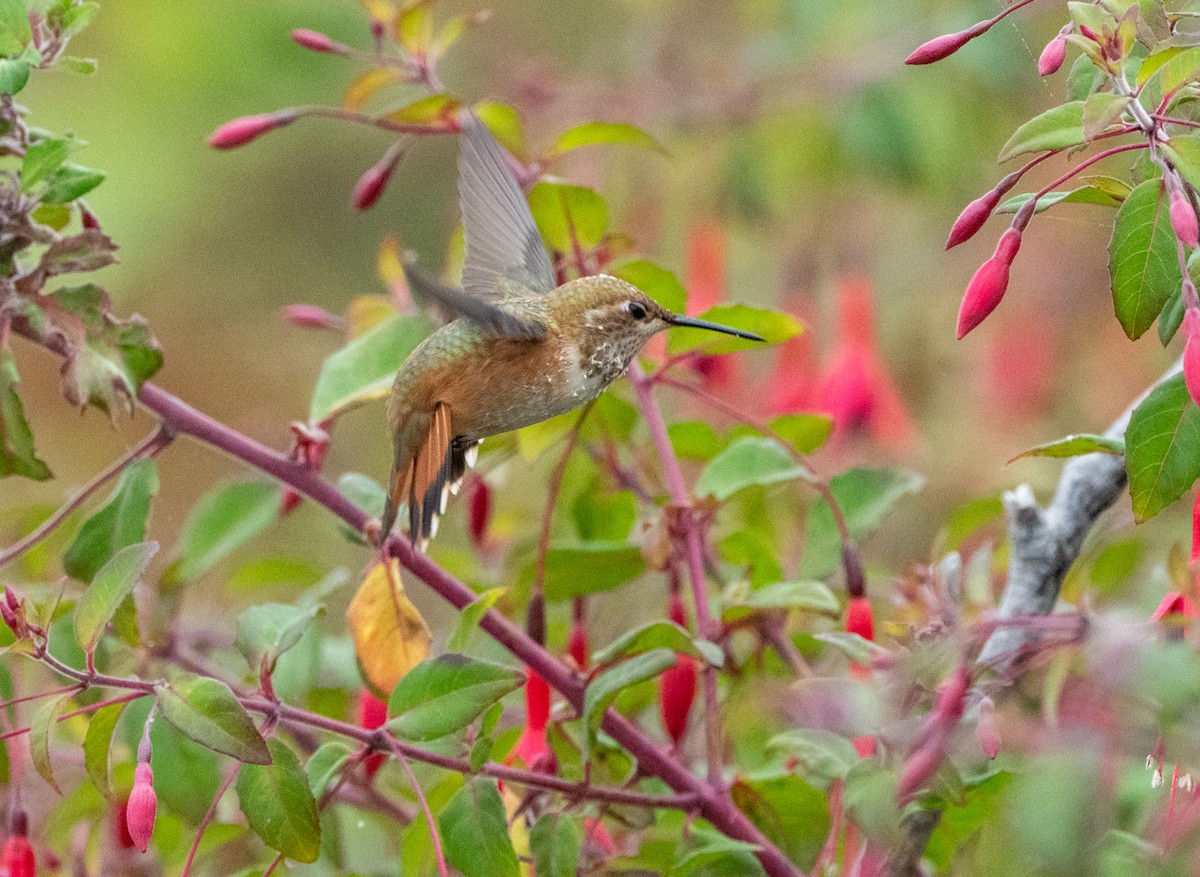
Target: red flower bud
(859, 618)
(919, 769)
(532, 747)
(312, 317)
(1052, 56)
(1191, 353)
(372, 183)
(316, 41)
(987, 734)
(988, 285)
(87, 218)
(940, 47)
(1183, 219)
(139, 812)
(952, 698)
(288, 502)
(676, 692)
(479, 513)
(972, 218)
(120, 824)
(1196, 529)
(241, 131)
(577, 644)
(16, 858)
(372, 713)
(1089, 33)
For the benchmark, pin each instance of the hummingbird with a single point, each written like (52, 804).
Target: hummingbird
(520, 348)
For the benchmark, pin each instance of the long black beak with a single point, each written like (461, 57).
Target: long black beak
(677, 320)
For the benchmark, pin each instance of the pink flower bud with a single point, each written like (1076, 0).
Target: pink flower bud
(577, 644)
(1196, 529)
(312, 317)
(1183, 219)
(372, 183)
(952, 698)
(972, 218)
(1052, 56)
(1089, 33)
(940, 47)
(1191, 353)
(987, 734)
(919, 769)
(16, 858)
(988, 285)
(241, 131)
(86, 218)
(316, 41)
(139, 812)
(860, 620)
(676, 692)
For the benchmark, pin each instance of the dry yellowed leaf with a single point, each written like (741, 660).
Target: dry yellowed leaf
(390, 636)
(365, 312)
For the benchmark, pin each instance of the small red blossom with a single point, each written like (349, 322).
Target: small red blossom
(375, 179)
(677, 685)
(1191, 353)
(239, 132)
(577, 641)
(141, 807)
(312, 317)
(1196, 529)
(972, 218)
(532, 747)
(372, 713)
(989, 284)
(1172, 604)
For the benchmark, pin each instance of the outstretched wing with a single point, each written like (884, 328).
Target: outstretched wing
(505, 254)
(486, 312)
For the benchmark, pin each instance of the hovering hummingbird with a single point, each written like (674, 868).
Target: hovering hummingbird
(520, 350)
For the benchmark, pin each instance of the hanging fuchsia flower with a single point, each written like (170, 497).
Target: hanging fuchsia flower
(989, 284)
(532, 747)
(372, 713)
(141, 808)
(677, 685)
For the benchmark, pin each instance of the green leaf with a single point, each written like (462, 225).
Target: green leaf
(694, 439)
(1155, 61)
(470, 617)
(1185, 155)
(556, 843)
(206, 711)
(654, 280)
(804, 432)
(656, 635)
(84, 66)
(119, 523)
(589, 567)
(14, 75)
(1162, 448)
(792, 813)
(426, 110)
(325, 764)
(39, 737)
(1101, 110)
(97, 742)
(222, 521)
(44, 158)
(1082, 195)
(363, 370)
(596, 133)
(603, 516)
(474, 832)
(17, 456)
(441, 695)
(772, 326)
(265, 632)
(1142, 259)
(822, 756)
(706, 848)
(1074, 446)
(279, 806)
(865, 496)
(15, 32)
(746, 462)
(505, 124)
(113, 583)
(808, 596)
(71, 181)
(1171, 316)
(1057, 128)
(604, 688)
(568, 214)
(1180, 70)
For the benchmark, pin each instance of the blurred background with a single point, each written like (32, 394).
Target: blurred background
(806, 163)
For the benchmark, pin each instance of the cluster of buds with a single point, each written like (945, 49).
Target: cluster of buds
(677, 685)
(372, 713)
(16, 856)
(310, 444)
(929, 751)
(12, 610)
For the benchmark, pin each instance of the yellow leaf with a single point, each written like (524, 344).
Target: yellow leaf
(365, 312)
(414, 27)
(380, 10)
(389, 264)
(390, 636)
(367, 84)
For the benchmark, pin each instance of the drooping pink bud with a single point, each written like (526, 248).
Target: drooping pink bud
(312, 317)
(86, 218)
(972, 218)
(989, 284)
(1191, 353)
(479, 513)
(1196, 529)
(316, 41)
(919, 769)
(372, 183)
(372, 713)
(941, 47)
(139, 812)
(987, 734)
(1183, 219)
(1052, 56)
(239, 132)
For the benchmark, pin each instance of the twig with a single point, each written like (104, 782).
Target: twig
(430, 821)
(208, 817)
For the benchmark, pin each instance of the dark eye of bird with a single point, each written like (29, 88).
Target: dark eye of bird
(637, 311)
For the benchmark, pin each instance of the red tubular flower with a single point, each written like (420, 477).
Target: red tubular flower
(241, 131)
(791, 387)
(479, 513)
(677, 685)
(972, 218)
(1196, 529)
(140, 810)
(1183, 219)
(1053, 55)
(1191, 353)
(372, 713)
(940, 47)
(989, 284)
(532, 747)
(16, 858)
(577, 641)
(987, 734)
